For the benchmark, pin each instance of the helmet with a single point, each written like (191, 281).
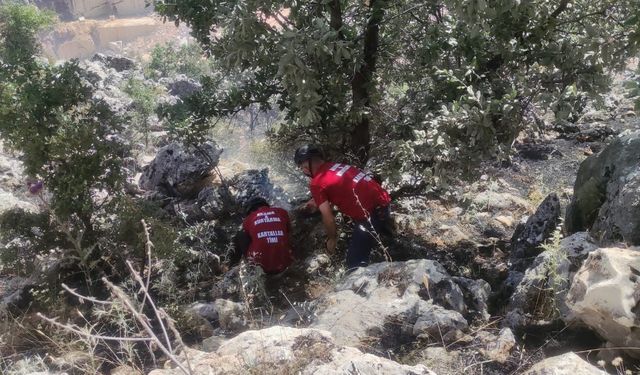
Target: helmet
(254, 203)
(305, 153)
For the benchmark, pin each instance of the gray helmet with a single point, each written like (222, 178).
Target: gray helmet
(306, 153)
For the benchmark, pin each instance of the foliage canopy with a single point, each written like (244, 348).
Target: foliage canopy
(433, 83)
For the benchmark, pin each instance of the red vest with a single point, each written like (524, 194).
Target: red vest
(268, 228)
(355, 193)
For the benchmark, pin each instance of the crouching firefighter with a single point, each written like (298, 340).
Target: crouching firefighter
(355, 194)
(264, 240)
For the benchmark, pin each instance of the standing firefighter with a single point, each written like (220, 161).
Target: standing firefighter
(264, 239)
(354, 193)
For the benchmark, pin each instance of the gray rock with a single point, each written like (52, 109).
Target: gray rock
(448, 294)
(207, 311)
(606, 192)
(252, 183)
(441, 360)
(181, 86)
(291, 350)
(231, 315)
(566, 364)
(180, 171)
(439, 324)
(368, 300)
(605, 295)
(476, 296)
(540, 292)
(496, 348)
(317, 262)
(527, 238)
(118, 63)
(211, 344)
(213, 201)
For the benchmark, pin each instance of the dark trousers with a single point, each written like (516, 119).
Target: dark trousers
(366, 234)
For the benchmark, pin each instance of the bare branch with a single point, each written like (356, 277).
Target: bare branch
(75, 330)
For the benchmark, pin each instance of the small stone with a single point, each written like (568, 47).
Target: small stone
(507, 221)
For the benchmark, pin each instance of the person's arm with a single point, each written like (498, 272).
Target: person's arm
(330, 228)
(242, 242)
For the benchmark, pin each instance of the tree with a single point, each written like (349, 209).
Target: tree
(67, 139)
(467, 74)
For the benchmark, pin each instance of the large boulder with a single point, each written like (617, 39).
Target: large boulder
(605, 295)
(539, 296)
(179, 170)
(565, 364)
(287, 350)
(607, 193)
(394, 302)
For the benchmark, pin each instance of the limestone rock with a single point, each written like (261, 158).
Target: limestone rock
(118, 63)
(252, 183)
(291, 350)
(497, 348)
(178, 170)
(491, 200)
(529, 236)
(181, 86)
(125, 29)
(540, 292)
(441, 360)
(211, 344)
(10, 201)
(213, 201)
(606, 193)
(476, 294)
(566, 364)
(207, 311)
(390, 292)
(230, 315)
(605, 295)
(439, 324)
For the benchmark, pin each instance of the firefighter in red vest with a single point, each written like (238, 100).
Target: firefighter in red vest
(355, 194)
(264, 240)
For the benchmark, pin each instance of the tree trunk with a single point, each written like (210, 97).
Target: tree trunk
(362, 84)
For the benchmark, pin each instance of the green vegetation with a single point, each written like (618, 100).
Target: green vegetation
(145, 102)
(188, 59)
(436, 85)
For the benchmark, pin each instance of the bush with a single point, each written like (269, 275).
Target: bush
(168, 60)
(145, 102)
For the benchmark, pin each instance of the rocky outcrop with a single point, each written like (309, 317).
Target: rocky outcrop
(181, 86)
(527, 238)
(180, 171)
(290, 351)
(606, 193)
(539, 296)
(395, 302)
(605, 295)
(254, 183)
(566, 364)
(118, 63)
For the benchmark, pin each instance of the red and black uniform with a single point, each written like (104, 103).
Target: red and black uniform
(268, 230)
(358, 196)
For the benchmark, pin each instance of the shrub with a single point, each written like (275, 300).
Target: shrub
(168, 60)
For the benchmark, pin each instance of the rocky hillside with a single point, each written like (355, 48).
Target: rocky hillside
(533, 268)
